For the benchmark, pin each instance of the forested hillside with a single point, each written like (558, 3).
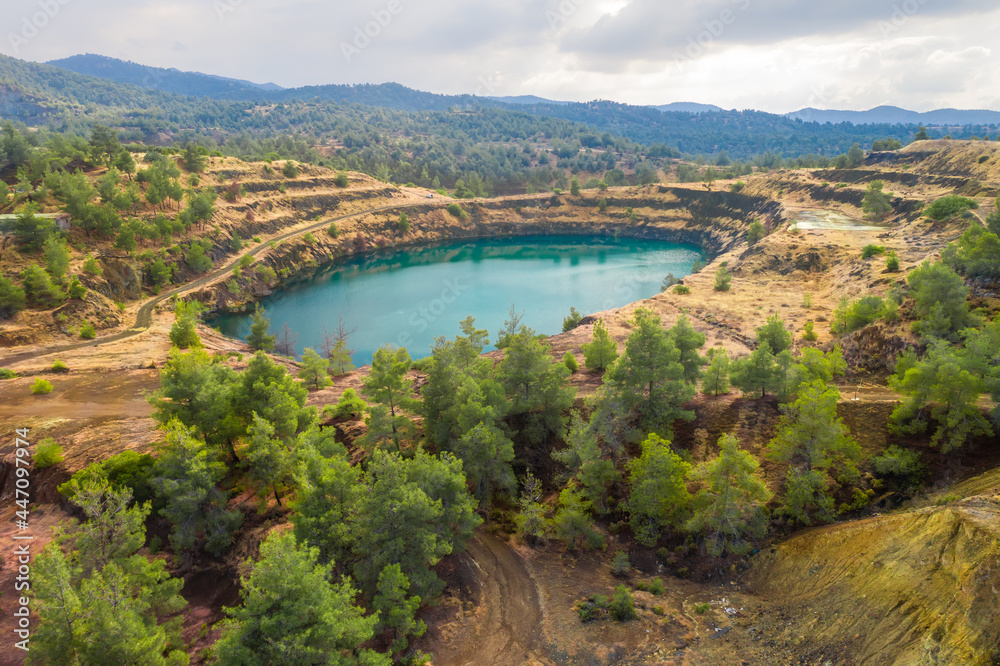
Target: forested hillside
(742, 134)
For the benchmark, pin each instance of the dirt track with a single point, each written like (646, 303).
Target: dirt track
(143, 317)
(509, 613)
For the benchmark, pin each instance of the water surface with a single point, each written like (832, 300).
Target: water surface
(410, 297)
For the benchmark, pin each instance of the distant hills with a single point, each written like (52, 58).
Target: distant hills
(171, 80)
(896, 115)
(525, 99)
(396, 96)
(688, 107)
(189, 104)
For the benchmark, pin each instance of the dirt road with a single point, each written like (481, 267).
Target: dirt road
(144, 316)
(509, 615)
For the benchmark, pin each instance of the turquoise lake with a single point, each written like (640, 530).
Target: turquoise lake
(409, 297)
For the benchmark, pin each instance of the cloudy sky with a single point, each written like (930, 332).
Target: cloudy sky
(774, 55)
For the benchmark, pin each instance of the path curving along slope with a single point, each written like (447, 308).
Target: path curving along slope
(144, 316)
(510, 628)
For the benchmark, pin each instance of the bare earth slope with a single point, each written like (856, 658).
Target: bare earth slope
(916, 587)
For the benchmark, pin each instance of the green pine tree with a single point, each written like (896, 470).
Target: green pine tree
(715, 378)
(258, 339)
(658, 495)
(602, 350)
(647, 378)
(293, 614)
(729, 511)
(315, 369)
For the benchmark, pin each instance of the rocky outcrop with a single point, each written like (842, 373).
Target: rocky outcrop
(122, 279)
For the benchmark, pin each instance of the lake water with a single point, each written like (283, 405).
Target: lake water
(410, 297)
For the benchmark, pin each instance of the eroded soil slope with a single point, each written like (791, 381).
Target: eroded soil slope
(917, 587)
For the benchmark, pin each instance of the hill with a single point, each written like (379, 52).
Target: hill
(158, 78)
(689, 128)
(688, 107)
(894, 114)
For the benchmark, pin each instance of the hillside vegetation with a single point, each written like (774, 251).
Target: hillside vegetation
(779, 425)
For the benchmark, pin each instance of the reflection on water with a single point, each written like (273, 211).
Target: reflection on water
(831, 219)
(408, 298)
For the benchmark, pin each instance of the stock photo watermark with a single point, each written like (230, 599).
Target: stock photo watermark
(363, 35)
(713, 29)
(566, 9)
(22, 540)
(32, 25)
(488, 84)
(223, 7)
(901, 15)
(430, 312)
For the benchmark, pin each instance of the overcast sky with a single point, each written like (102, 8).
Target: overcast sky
(774, 55)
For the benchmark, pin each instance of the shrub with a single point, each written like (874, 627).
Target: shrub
(197, 259)
(457, 211)
(349, 406)
(266, 273)
(947, 499)
(39, 289)
(59, 366)
(309, 238)
(290, 170)
(871, 251)
(41, 386)
(948, 207)
(682, 289)
(658, 610)
(342, 180)
(77, 290)
(701, 608)
(7, 373)
(256, 239)
(975, 254)
(572, 321)
(127, 469)
(48, 453)
(807, 300)
(723, 279)
(332, 230)
(899, 462)
(246, 261)
(87, 331)
(755, 233)
(853, 315)
(656, 586)
(570, 362)
(809, 332)
(403, 223)
(620, 565)
(12, 298)
(622, 606)
(236, 243)
(593, 609)
(91, 267)
(892, 261)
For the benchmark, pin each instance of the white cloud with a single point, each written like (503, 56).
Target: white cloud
(776, 55)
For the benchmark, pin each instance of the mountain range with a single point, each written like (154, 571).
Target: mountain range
(394, 95)
(896, 115)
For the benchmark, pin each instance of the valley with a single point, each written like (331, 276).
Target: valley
(907, 582)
